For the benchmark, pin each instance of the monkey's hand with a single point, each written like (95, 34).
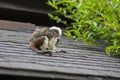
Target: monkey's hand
(62, 51)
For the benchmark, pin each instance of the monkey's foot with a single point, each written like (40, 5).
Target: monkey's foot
(61, 51)
(47, 53)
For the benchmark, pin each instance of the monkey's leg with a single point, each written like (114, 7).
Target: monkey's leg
(32, 46)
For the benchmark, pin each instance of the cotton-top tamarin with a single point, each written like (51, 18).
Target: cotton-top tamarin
(44, 40)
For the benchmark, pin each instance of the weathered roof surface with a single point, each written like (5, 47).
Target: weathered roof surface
(10, 25)
(80, 61)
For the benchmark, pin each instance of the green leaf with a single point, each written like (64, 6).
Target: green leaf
(50, 15)
(95, 23)
(90, 21)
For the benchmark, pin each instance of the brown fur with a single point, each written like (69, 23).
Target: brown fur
(39, 36)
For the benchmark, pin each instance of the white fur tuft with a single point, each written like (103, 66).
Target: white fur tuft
(56, 28)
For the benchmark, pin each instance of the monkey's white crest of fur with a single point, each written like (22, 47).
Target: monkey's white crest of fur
(56, 28)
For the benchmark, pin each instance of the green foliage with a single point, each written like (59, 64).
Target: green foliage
(92, 20)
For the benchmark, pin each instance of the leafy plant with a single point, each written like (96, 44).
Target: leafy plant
(91, 20)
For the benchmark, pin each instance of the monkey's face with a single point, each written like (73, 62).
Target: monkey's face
(57, 30)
